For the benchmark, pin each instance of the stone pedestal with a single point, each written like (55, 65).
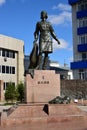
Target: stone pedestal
(43, 87)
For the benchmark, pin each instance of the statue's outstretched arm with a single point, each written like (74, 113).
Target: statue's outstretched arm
(53, 34)
(55, 37)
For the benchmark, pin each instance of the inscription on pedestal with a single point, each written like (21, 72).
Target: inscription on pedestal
(43, 81)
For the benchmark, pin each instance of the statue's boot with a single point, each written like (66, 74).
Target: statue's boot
(39, 62)
(45, 64)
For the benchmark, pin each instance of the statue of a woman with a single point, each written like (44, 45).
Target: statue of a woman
(44, 32)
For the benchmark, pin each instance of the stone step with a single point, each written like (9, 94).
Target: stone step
(30, 110)
(41, 110)
(44, 113)
(64, 109)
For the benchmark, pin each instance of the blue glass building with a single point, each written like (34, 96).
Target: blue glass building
(79, 27)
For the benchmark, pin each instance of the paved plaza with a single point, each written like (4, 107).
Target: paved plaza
(78, 125)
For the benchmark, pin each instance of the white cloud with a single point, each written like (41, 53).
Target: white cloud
(63, 44)
(70, 48)
(63, 7)
(62, 18)
(2, 2)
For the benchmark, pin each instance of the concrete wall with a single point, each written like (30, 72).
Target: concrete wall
(74, 88)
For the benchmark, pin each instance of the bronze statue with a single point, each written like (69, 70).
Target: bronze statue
(34, 57)
(44, 32)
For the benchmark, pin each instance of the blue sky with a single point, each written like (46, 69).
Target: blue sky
(18, 19)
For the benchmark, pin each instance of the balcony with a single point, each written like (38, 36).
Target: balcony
(82, 14)
(82, 48)
(81, 30)
(73, 1)
(79, 65)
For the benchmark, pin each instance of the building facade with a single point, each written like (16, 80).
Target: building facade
(64, 71)
(11, 60)
(79, 25)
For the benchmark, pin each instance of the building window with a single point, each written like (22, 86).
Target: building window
(82, 5)
(3, 53)
(84, 56)
(10, 69)
(6, 85)
(13, 70)
(86, 6)
(8, 53)
(0, 52)
(7, 69)
(83, 74)
(3, 69)
(13, 54)
(82, 22)
(0, 68)
(83, 39)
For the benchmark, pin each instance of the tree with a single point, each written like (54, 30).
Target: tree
(20, 90)
(10, 93)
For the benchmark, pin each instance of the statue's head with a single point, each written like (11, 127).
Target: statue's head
(44, 15)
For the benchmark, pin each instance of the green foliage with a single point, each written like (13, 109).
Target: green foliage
(10, 93)
(20, 90)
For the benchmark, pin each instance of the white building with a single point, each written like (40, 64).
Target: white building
(79, 26)
(11, 60)
(64, 71)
